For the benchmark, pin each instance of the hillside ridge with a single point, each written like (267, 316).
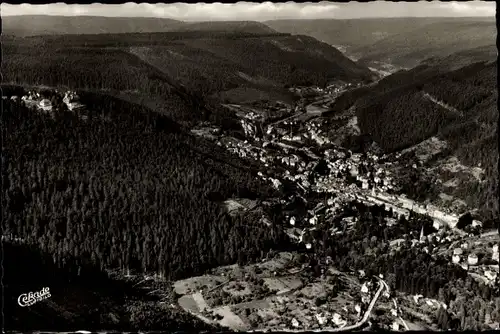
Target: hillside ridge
(32, 25)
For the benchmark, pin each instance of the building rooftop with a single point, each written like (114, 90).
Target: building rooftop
(45, 103)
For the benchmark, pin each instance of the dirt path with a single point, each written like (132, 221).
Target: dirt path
(443, 104)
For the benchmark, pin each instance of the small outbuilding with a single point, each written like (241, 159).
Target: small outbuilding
(472, 259)
(45, 104)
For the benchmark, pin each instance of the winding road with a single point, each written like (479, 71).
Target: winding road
(382, 286)
(360, 323)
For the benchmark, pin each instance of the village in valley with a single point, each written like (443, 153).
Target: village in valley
(300, 156)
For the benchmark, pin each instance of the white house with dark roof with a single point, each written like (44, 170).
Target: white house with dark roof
(45, 105)
(472, 259)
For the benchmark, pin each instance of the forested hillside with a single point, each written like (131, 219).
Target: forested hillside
(394, 125)
(206, 64)
(465, 90)
(113, 71)
(471, 90)
(127, 189)
(264, 63)
(463, 58)
(125, 40)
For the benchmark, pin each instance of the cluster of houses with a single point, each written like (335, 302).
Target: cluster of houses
(366, 173)
(314, 132)
(245, 150)
(248, 127)
(459, 256)
(306, 91)
(282, 130)
(72, 101)
(370, 173)
(340, 164)
(366, 177)
(291, 131)
(333, 89)
(464, 255)
(35, 100)
(373, 180)
(467, 259)
(323, 319)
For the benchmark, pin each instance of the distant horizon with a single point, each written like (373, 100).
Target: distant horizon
(261, 12)
(286, 19)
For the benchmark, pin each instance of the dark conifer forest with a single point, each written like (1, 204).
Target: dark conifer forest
(126, 189)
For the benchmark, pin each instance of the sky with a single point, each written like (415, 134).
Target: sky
(261, 11)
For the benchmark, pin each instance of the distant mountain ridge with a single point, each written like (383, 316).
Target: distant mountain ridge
(249, 27)
(341, 32)
(367, 32)
(399, 41)
(463, 58)
(208, 62)
(437, 39)
(264, 64)
(30, 25)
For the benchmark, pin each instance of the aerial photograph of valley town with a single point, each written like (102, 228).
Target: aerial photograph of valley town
(292, 167)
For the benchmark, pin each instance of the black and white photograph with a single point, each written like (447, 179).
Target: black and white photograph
(250, 167)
